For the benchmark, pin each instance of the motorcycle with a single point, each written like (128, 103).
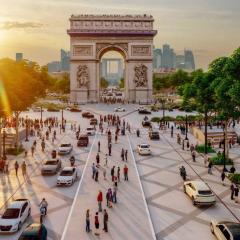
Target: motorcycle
(183, 173)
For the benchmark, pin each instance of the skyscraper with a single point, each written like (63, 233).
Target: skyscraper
(189, 60)
(19, 57)
(168, 57)
(65, 61)
(157, 58)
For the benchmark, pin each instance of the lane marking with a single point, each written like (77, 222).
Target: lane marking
(77, 192)
(142, 192)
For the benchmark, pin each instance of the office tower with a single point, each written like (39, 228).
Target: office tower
(54, 66)
(65, 61)
(189, 60)
(168, 57)
(180, 61)
(19, 57)
(157, 58)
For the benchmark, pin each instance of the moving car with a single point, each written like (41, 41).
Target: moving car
(65, 148)
(90, 131)
(15, 215)
(225, 230)
(144, 111)
(146, 122)
(51, 166)
(35, 231)
(75, 109)
(67, 176)
(154, 134)
(83, 140)
(119, 109)
(144, 149)
(93, 121)
(199, 192)
(87, 115)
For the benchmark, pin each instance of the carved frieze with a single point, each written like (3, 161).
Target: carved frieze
(141, 50)
(83, 76)
(140, 77)
(82, 50)
(100, 46)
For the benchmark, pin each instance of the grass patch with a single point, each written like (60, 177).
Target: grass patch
(234, 177)
(219, 160)
(201, 148)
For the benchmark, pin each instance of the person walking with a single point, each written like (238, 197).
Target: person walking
(236, 192)
(118, 174)
(93, 170)
(191, 148)
(104, 173)
(16, 166)
(24, 169)
(96, 175)
(109, 149)
(97, 160)
(210, 168)
(99, 200)
(107, 197)
(194, 156)
(122, 154)
(113, 173)
(96, 221)
(126, 155)
(105, 221)
(125, 172)
(114, 194)
(32, 150)
(99, 145)
(223, 175)
(232, 191)
(106, 160)
(88, 229)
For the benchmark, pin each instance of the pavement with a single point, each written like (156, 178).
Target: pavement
(153, 199)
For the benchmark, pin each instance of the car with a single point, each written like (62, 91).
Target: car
(199, 192)
(74, 109)
(154, 134)
(37, 109)
(34, 231)
(51, 166)
(15, 215)
(93, 121)
(53, 109)
(146, 122)
(90, 131)
(83, 140)
(144, 149)
(65, 148)
(87, 115)
(119, 109)
(144, 111)
(67, 176)
(225, 229)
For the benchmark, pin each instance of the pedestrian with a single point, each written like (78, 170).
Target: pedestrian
(191, 147)
(188, 145)
(32, 150)
(106, 160)
(114, 194)
(97, 160)
(232, 169)
(105, 221)
(96, 224)
(125, 172)
(126, 155)
(24, 169)
(110, 195)
(183, 145)
(88, 229)
(96, 175)
(104, 173)
(16, 166)
(236, 191)
(232, 191)
(99, 200)
(113, 173)
(109, 149)
(210, 168)
(122, 154)
(223, 175)
(194, 156)
(99, 146)
(116, 138)
(25, 153)
(93, 170)
(118, 174)
(107, 198)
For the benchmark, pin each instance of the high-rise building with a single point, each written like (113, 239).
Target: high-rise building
(157, 58)
(180, 61)
(189, 60)
(54, 66)
(168, 57)
(65, 60)
(19, 57)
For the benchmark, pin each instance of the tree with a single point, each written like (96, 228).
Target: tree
(103, 83)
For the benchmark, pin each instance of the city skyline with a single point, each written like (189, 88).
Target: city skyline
(182, 25)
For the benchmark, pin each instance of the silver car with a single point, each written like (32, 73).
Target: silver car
(51, 166)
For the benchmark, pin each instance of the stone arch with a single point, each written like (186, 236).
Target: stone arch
(111, 47)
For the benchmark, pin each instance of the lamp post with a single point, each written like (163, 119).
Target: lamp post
(62, 119)
(224, 149)
(26, 122)
(186, 130)
(4, 145)
(41, 114)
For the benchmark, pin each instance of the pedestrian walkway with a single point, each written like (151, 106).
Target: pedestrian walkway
(128, 219)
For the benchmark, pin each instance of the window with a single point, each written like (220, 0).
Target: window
(226, 234)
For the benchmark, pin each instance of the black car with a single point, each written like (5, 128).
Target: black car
(154, 135)
(144, 111)
(34, 231)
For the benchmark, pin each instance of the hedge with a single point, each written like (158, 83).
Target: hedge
(201, 149)
(219, 160)
(234, 177)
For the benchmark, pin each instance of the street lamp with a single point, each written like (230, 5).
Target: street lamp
(26, 122)
(41, 114)
(224, 149)
(62, 119)
(4, 145)
(186, 130)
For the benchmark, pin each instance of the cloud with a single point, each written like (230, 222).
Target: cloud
(19, 25)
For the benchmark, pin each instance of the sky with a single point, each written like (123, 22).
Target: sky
(211, 28)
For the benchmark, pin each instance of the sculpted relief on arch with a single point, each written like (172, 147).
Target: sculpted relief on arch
(140, 77)
(83, 76)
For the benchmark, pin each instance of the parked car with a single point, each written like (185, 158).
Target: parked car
(83, 140)
(34, 231)
(119, 109)
(225, 229)
(90, 131)
(15, 215)
(51, 166)
(75, 109)
(93, 121)
(154, 134)
(144, 149)
(146, 122)
(199, 192)
(65, 148)
(144, 111)
(67, 176)
(87, 115)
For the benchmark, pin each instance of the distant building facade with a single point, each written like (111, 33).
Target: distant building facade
(157, 58)
(19, 57)
(54, 66)
(189, 60)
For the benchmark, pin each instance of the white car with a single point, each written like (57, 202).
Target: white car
(199, 192)
(90, 131)
(65, 148)
(15, 215)
(144, 149)
(67, 176)
(51, 166)
(36, 109)
(119, 109)
(225, 229)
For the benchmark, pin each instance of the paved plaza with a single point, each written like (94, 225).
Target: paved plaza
(151, 205)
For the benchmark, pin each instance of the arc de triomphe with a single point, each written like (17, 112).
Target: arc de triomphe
(93, 35)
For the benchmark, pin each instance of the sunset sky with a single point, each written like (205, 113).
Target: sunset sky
(211, 28)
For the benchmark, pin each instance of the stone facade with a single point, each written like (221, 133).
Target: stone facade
(93, 35)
